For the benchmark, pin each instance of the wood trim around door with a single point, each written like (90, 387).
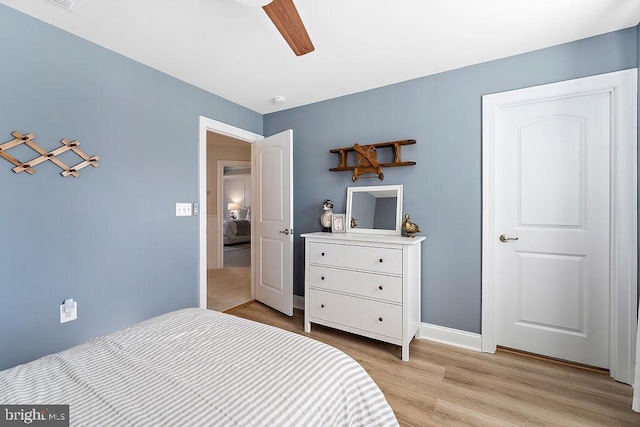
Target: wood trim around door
(622, 85)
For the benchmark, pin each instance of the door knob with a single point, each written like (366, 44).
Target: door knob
(504, 238)
(285, 231)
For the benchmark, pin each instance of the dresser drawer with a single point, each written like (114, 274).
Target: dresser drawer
(368, 258)
(370, 285)
(373, 316)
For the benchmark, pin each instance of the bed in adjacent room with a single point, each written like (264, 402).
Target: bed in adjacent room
(236, 231)
(200, 367)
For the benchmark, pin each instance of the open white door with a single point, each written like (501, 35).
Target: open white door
(273, 221)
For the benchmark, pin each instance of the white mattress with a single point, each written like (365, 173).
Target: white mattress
(197, 367)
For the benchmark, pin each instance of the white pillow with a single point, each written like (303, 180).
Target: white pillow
(242, 213)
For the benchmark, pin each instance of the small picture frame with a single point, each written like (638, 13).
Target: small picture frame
(338, 224)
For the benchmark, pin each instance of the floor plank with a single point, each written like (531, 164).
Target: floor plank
(445, 386)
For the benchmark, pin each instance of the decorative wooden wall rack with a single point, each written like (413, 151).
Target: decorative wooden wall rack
(367, 158)
(44, 155)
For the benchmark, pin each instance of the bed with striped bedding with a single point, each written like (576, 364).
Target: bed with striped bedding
(196, 367)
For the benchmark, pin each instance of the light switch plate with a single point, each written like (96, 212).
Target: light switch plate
(183, 209)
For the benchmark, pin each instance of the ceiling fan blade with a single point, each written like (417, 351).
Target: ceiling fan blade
(285, 17)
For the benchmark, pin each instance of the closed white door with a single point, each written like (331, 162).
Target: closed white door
(552, 202)
(273, 220)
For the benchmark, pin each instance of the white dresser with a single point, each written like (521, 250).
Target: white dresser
(365, 284)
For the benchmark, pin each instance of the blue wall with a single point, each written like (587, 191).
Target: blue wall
(110, 238)
(443, 191)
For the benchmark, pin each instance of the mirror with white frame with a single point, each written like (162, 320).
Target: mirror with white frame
(374, 209)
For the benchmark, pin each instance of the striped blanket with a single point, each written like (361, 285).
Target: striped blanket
(196, 367)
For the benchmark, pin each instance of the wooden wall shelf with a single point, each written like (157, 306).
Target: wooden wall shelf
(366, 158)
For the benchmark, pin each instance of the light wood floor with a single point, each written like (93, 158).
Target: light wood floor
(443, 385)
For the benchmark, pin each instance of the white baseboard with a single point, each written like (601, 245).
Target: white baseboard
(450, 336)
(298, 302)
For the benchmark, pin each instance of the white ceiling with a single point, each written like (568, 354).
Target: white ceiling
(234, 51)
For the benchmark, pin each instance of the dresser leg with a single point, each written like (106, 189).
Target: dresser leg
(307, 326)
(405, 353)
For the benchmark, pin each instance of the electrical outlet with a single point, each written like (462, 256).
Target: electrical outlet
(70, 312)
(183, 209)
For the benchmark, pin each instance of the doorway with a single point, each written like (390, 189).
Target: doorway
(229, 237)
(539, 279)
(211, 212)
(272, 216)
(233, 199)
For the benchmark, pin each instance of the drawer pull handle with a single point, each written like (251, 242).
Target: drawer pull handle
(380, 259)
(380, 287)
(322, 278)
(321, 305)
(322, 254)
(380, 319)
